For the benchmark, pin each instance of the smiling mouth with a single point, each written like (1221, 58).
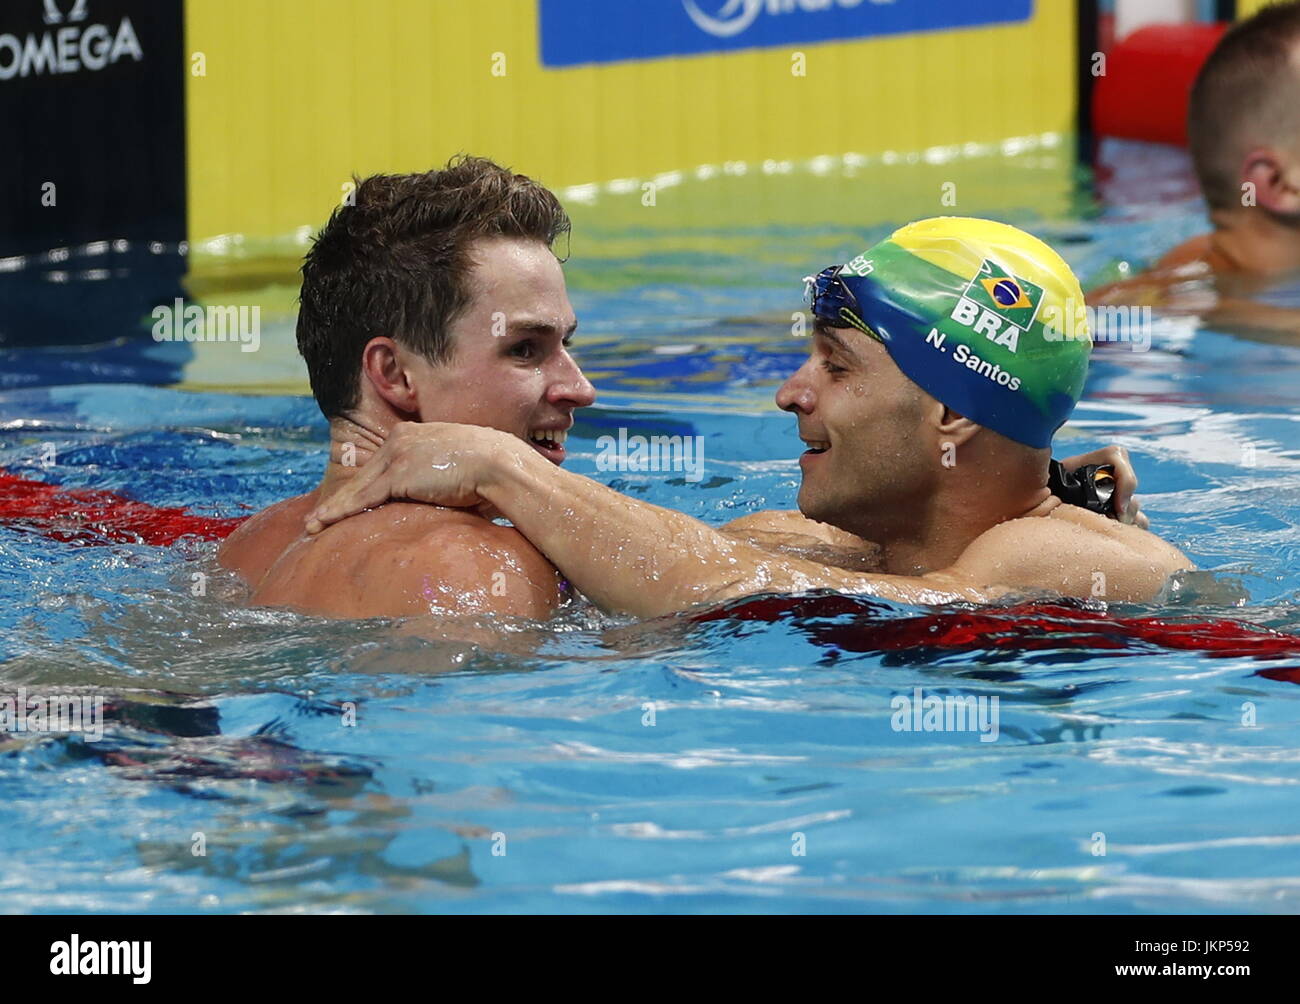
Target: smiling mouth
(816, 446)
(549, 443)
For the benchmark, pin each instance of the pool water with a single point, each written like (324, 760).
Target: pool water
(598, 764)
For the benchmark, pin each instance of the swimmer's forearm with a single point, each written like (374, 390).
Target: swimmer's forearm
(622, 553)
(631, 556)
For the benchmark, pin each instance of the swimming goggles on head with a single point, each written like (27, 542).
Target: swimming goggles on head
(834, 302)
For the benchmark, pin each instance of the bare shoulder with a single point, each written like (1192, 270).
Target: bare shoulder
(1197, 249)
(258, 542)
(272, 517)
(1173, 285)
(405, 558)
(791, 522)
(1125, 534)
(458, 562)
(1074, 552)
(795, 535)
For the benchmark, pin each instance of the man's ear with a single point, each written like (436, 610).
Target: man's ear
(950, 430)
(953, 427)
(1274, 179)
(383, 370)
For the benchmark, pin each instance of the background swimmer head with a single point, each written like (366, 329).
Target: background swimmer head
(1243, 119)
(437, 297)
(943, 359)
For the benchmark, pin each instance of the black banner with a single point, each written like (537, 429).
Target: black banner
(1026, 955)
(92, 166)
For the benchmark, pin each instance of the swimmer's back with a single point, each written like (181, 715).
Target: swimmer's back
(400, 559)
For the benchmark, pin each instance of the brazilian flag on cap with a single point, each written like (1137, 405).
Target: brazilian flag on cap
(982, 316)
(1013, 297)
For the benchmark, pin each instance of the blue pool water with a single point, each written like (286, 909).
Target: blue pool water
(526, 778)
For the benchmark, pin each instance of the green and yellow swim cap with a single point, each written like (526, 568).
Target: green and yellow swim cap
(982, 316)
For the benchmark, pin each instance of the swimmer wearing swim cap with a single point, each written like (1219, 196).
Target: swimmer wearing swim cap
(942, 363)
(980, 315)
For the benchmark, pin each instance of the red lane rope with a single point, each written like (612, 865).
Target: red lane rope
(96, 516)
(1023, 627)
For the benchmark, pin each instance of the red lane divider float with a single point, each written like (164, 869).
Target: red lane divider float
(95, 516)
(1022, 627)
(1149, 75)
